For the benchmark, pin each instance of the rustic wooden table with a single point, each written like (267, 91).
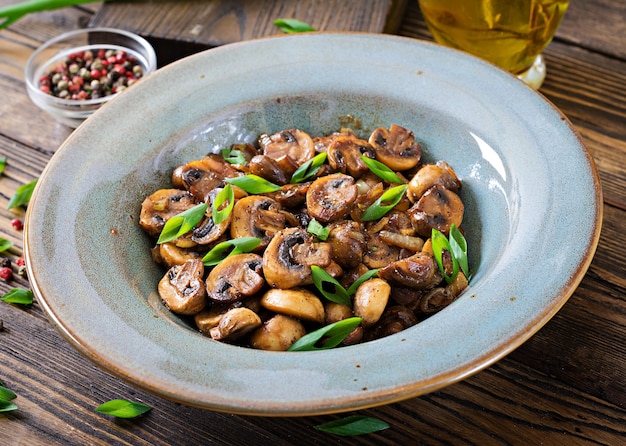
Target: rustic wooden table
(566, 385)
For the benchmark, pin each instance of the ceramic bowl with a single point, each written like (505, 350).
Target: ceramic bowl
(53, 53)
(532, 195)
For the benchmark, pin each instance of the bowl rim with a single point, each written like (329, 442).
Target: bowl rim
(326, 404)
(150, 66)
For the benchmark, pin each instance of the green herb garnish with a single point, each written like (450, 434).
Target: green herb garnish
(182, 223)
(353, 425)
(6, 394)
(318, 230)
(233, 156)
(22, 195)
(223, 204)
(335, 333)
(253, 184)
(7, 406)
(386, 202)
(123, 408)
(18, 296)
(12, 13)
(309, 168)
(292, 26)
(329, 287)
(3, 163)
(228, 248)
(381, 170)
(5, 244)
(456, 245)
(357, 283)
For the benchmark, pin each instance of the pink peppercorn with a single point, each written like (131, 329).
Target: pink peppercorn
(20, 262)
(6, 273)
(17, 224)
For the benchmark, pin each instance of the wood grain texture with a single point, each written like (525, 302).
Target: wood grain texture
(566, 385)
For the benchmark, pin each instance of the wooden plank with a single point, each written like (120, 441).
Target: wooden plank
(179, 28)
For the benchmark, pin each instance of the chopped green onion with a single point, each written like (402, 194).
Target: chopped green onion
(6, 394)
(221, 212)
(228, 248)
(253, 184)
(357, 283)
(3, 163)
(123, 408)
(7, 406)
(335, 332)
(381, 170)
(309, 169)
(458, 246)
(12, 13)
(5, 244)
(318, 230)
(391, 196)
(321, 280)
(22, 195)
(18, 296)
(233, 156)
(182, 223)
(291, 26)
(353, 425)
(439, 244)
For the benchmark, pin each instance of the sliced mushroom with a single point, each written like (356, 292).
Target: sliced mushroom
(379, 254)
(161, 206)
(370, 300)
(293, 144)
(394, 320)
(201, 176)
(344, 155)
(235, 277)
(330, 198)
(396, 147)
(440, 297)
(256, 216)
(348, 242)
(288, 258)
(268, 168)
(419, 272)
(291, 196)
(277, 333)
(234, 324)
(438, 208)
(209, 318)
(182, 288)
(171, 255)
(429, 175)
(207, 231)
(297, 302)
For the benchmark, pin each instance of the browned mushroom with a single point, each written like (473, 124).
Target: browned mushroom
(288, 258)
(277, 333)
(201, 176)
(297, 302)
(171, 255)
(256, 216)
(291, 196)
(161, 206)
(330, 198)
(182, 288)
(268, 168)
(234, 324)
(396, 147)
(440, 297)
(293, 144)
(344, 155)
(347, 239)
(438, 208)
(207, 231)
(394, 320)
(235, 277)
(371, 300)
(379, 253)
(419, 271)
(429, 175)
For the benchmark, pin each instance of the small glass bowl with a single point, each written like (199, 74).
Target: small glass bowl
(72, 112)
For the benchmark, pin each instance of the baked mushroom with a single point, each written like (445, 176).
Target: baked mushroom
(235, 277)
(429, 175)
(396, 147)
(159, 207)
(330, 198)
(294, 144)
(438, 208)
(288, 258)
(277, 333)
(256, 216)
(182, 288)
(420, 272)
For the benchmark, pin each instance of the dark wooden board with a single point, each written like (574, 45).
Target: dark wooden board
(179, 28)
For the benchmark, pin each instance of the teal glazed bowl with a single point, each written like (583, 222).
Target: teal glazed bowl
(531, 190)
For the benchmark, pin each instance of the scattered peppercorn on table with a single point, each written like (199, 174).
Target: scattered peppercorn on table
(566, 385)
